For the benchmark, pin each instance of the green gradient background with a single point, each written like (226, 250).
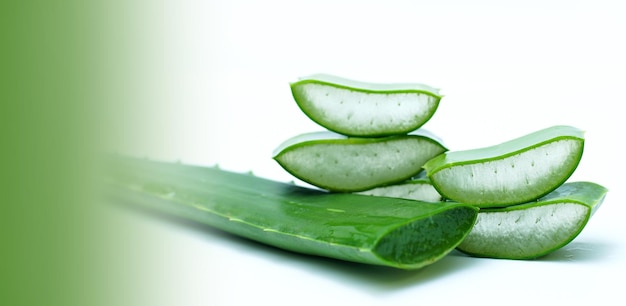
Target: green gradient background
(82, 78)
(64, 74)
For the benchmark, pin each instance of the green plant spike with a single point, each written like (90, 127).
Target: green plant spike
(534, 229)
(378, 231)
(418, 188)
(365, 109)
(338, 163)
(514, 172)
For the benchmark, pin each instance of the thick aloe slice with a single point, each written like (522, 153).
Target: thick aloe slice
(364, 109)
(537, 228)
(514, 172)
(380, 231)
(418, 188)
(338, 163)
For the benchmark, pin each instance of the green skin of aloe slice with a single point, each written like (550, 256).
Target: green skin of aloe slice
(534, 229)
(362, 109)
(338, 163)
(514, 172)
(371, 230)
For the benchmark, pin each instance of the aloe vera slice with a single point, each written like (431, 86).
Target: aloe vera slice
(379, 231)
(365, 109)
(514, 172)
(339, 163)
(418, 188)
(534, 229)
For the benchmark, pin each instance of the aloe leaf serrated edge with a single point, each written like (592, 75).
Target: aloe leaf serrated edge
(379, 231)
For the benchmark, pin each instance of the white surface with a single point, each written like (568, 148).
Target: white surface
(211, 86)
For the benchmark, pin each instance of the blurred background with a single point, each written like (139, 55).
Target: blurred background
(207, 82)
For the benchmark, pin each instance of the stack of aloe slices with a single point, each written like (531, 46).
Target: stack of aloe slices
(398, 197)
(372, 138)
(527, 210)
(377, 148)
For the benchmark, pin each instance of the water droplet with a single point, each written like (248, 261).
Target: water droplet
(335, 210)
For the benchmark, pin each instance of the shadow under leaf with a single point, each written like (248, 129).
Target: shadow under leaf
(580, 251)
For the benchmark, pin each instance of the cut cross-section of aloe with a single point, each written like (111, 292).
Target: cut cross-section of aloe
(418, 188)
(338, 163)
(537, 228)
(379, 231)
(365, 109)
(513, 172)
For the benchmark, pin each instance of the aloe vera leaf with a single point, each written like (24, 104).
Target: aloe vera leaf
(338, 163)
(365, 109)
(379, 231)
(418, 188)
(512, 172)
(534, 229)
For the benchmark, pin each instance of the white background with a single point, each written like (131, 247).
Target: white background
(211, 86)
